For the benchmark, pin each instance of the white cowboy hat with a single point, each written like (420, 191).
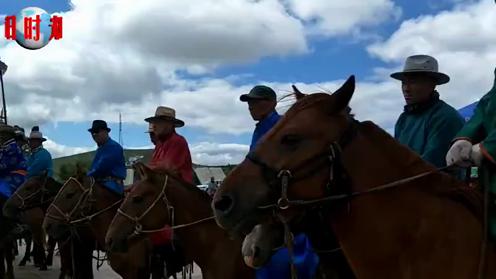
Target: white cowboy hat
(166, 113)
(424, 64)
(36, 134)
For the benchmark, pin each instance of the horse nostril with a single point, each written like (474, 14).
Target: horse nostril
(256, 252)
(224, 204)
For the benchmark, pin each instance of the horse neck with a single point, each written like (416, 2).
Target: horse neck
(374, 158)
(393, 233)
(104, 198)
(200, 241)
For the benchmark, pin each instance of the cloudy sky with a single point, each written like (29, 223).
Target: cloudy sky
(198, 56)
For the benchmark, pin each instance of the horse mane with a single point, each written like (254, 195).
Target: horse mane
(444, 186)
(188, 186)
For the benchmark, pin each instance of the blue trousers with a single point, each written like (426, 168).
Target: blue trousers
(305, 260)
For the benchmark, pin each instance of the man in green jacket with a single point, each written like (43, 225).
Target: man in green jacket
(475, 145)
(428, 124)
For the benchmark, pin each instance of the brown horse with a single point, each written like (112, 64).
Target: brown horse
(159, 199)
(83, 202)
(29, 204)
(394, 215)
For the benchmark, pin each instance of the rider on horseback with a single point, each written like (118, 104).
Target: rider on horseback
(12, 163)
(108, 166)
(262, 105)
(427, 124)
(171, 153)
(40, 160)
(475, 144)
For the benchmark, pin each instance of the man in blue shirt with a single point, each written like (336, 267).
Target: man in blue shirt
(108, 167)
(40, 160)
(262, 106)
(12, 163)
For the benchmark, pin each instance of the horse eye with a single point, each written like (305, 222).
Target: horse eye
(291, 140)
(137, 199)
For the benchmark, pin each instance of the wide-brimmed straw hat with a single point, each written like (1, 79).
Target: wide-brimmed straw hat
(166, 113)
(36, 134)
(423, 64)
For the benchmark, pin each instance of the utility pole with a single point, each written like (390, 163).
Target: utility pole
(3, 69)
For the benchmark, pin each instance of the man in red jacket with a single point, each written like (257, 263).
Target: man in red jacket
(171, 149)
(171, 153)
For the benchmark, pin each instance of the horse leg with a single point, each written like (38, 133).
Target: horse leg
(82, 257)
(51, 249)
(40, 254)
(27, 253)
(65, 260)
(2, 262)
(9, 259)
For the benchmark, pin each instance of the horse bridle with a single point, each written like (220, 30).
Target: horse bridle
(41, 190)
(162, 196)
(67, 216)
(85, 197)
(138, 227)
(328, 158)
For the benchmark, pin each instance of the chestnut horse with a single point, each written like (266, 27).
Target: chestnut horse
(158, 199)
(84, 203)
(29, 204)
(395, 215)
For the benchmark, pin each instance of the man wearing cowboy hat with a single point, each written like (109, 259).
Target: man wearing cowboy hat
(427, 124)
(171, 151)
(108, 167)
(40, 160)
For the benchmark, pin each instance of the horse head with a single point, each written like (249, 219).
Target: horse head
(67, 205)
(37, 191)
(143, 208)
(291, 162)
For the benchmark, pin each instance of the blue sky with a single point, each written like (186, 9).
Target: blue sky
(326, 58)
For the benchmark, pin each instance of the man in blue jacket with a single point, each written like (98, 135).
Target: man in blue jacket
(40, 160)
(12, 163)
(262, 106)
(428, 124)
(108, 167)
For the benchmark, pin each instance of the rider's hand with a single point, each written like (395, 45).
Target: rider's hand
(460, 153)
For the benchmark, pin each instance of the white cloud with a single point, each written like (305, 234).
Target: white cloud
(59, 150)
(462, 39)
(129, 61)
(215, 154)
(342, 17)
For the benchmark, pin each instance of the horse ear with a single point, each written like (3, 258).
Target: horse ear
(297, 93)
(80, 173)
(343, 94)
(142, 169)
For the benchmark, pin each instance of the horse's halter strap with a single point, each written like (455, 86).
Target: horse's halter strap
(138, 229)
(330, 157)
(68, 216)
(42, 190)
